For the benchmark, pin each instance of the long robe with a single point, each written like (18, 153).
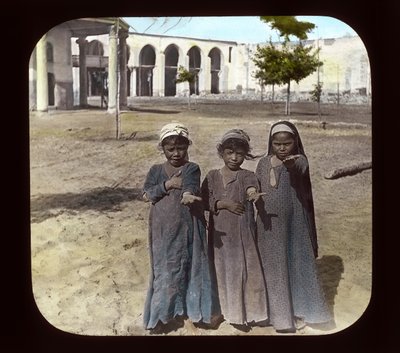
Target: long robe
(238, 271)
(180, 281)
(288, 245)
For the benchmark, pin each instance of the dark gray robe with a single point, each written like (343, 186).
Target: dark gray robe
(180, 282)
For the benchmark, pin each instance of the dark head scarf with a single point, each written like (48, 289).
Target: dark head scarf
(301, 185)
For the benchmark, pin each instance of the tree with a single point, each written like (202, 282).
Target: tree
(184, 75)
(289, 25)
(290, 62)
(298, 63)
(268, 61)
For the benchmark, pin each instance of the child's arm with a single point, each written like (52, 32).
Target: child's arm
(154, 189)
(297, 162)
(191, 179)
(191, 184)
(252, 186)
(232, 206)
(213, 204)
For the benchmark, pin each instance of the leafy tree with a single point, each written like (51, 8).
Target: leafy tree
(289, 25)
(185, 75)
(268, 62)
(288, 62)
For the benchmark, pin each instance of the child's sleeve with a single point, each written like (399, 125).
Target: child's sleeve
(154, 188)
(251, 182)
(191, 179)
(300, 165)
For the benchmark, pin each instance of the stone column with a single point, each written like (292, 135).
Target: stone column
(205, 84)
(42, 85)
(224, 79)
(123, 101)
(185, 86)
(82, 71)
(159, 75)
(133, 81)
(112, 71)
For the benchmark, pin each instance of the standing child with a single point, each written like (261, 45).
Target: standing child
(227, 193)
(180, 284)
(286, 231)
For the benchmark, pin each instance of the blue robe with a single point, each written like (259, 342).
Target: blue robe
(180, 281)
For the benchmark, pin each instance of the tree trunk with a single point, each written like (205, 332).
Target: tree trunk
(262, 93)
(273, 94)
(287, 110)
(351, 170)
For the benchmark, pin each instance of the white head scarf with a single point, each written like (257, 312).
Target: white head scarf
(281, 128)
(174, 129)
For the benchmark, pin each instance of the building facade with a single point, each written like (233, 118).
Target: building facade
(77, 62)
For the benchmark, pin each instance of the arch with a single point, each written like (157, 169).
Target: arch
(95, 47)
(49, 52)
(51, 81)
(215, 56)
(128, 53)
(144, 75)
(96, 73)
(194, 67)
(171, 69)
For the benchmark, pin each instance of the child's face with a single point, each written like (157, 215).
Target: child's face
(233, 158)
(283, 144)
(176, 153)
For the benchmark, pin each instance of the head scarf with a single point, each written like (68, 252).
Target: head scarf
(236, 134)
(281, 128)
(174, 129)
(303, 187)
(286, 126)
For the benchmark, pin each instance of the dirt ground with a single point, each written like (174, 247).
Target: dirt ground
(89, 250)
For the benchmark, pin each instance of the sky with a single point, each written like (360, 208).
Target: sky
(242, 29)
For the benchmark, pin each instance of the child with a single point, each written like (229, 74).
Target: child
(286, 233)
(227, 193)
(180, 284)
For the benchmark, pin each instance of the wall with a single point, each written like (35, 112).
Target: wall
(345, 67)
(61, 67)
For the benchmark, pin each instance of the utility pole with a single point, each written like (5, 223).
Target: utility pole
(318, 85)
(117, 116)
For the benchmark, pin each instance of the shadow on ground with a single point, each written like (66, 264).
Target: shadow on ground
(98, 199)
(330, 269)
(155, 111)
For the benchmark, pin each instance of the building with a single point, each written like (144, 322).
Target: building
(99, 58)
(51, 79)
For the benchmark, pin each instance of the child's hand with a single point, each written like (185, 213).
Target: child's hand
(175, 182)
(234, 207)
(289, 160)
(253, 195)
(145, 198)
(188, 198)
